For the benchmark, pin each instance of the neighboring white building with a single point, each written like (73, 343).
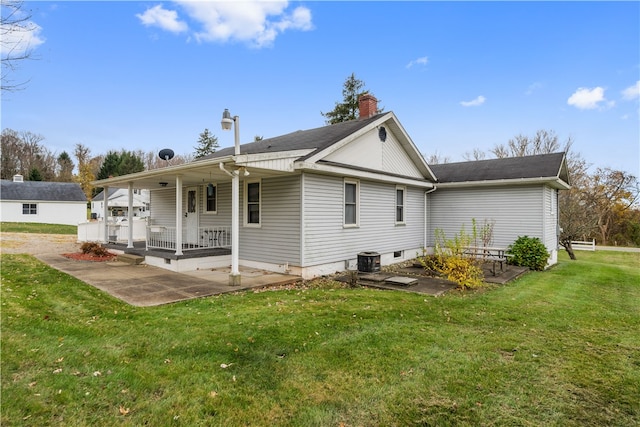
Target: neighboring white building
(118, 203)
(42, 202)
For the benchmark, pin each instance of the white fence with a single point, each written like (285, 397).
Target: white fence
(94, 231)
(581, 245)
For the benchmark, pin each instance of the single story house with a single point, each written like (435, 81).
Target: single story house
(118, 203)
(42, 202)
(308, 202)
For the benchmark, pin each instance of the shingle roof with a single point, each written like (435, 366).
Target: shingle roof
(100, 196)
(318, 139)
(41, 191)
(527, 167)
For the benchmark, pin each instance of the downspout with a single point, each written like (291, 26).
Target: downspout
(427, 217)
(224, 170)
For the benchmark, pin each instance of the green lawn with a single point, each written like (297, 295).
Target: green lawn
(557, 348)
(32, 227)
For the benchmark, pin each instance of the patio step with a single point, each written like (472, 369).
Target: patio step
(130, 259)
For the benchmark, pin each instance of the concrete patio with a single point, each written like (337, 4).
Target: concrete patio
(142, 285)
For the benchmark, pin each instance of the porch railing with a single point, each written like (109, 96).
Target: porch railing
(161, 237)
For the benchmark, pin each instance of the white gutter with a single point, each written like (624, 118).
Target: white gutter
(497, 182)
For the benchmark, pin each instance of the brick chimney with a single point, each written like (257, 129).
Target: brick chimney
(368, 106)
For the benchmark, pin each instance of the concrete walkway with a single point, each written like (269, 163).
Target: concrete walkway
(143, 285)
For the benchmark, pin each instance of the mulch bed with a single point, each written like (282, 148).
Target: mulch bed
(79, 256)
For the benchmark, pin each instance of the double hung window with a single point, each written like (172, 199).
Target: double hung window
(252, 203)
(351, 201)
(400, 196)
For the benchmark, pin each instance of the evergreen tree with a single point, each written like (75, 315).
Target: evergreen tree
(348, 109)
(65, 165)
(35, 175)
(207, 144)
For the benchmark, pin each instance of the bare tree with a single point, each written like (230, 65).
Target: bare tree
(543, 142)
(436, 159)
(18, 36)
(476, 154)
(22, 152)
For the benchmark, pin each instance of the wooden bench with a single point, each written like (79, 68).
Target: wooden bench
(497, 256)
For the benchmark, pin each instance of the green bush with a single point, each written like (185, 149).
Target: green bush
(528, 252)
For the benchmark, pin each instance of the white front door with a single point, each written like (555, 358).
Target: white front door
(192, 220)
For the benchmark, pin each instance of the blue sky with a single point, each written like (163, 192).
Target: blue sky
(150, 75)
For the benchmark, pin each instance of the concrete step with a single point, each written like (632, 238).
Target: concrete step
(399, 280)
(130, 259)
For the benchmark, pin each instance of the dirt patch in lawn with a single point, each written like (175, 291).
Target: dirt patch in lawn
(37, 244)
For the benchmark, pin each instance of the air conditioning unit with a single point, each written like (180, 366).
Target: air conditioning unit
(368, 262)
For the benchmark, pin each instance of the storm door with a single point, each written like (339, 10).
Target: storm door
(192, 220)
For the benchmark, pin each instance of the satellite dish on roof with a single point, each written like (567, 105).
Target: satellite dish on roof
(166, 154)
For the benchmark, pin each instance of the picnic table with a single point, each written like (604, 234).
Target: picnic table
(497, 256)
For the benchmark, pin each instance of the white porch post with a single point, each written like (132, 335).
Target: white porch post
(179, 215)
(130, 216)
(105, 211)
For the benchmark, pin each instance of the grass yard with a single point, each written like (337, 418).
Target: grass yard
(32, 227)
(554, 348)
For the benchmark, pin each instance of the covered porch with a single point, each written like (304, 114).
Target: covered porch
(196, 216)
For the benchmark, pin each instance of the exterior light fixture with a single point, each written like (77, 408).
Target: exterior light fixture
(226, 121)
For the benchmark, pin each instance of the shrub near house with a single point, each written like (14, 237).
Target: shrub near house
(528, 252)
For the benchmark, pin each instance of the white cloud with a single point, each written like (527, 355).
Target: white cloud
(589, 99)
(19, 39)
(165, 19)
(419, 61)
(257, 23)
(533, 87)
(474, 102)
(632, 92)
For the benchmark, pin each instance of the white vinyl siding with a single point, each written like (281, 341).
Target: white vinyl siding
(550, 215)
(515, 211)
(47, 212)
(164, 207)
(371, 153)
(327, 241)
(277, 240)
